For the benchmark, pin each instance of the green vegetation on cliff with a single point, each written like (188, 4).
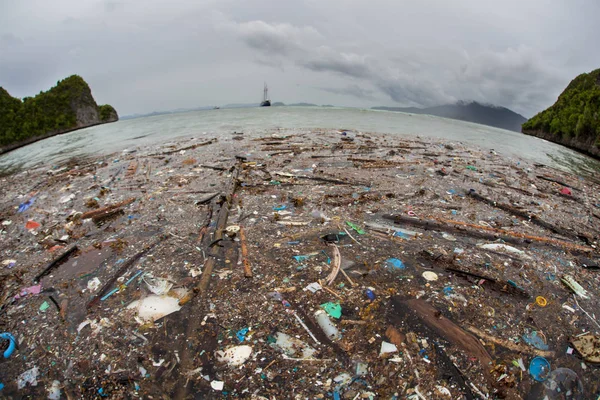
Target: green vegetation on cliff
(576, 114)
(68, 105)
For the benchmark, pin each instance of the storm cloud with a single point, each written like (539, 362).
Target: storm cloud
(151, 55)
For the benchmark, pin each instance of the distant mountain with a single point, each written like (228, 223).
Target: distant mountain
(63, 108)
(499, 117)
(574, 120)
(176, 111)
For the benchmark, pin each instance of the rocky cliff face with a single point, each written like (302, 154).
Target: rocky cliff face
(574, 120)
(67, 106)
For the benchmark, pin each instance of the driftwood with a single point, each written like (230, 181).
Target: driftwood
(247, 268)
(201, 287)
(494, 284)
(545, 178)
(467, 229)
(164, 153)
(510, 345)
(54, 263)
(104, 210)
(530, 217)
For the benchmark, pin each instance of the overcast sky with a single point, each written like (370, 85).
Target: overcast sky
(147, 55)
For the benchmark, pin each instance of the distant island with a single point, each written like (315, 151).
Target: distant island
(65, 107)
(485, 114)
(574, 120)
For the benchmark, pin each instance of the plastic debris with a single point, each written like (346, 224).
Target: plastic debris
(279, 208)
(430, 276)
(370, 294)
(12, 344)
(563, 384)
(572, 284)
(241, 334)
(154, 307)
(93, 284)
(25, 206)
(387, 348)
(355, 227)
(504, 247)
(588, 346)
(539, 368)
(28, 377)
(235, 356)
(158, 286)
(333, 309)
(66, 199)
(291, 346)
(541, 301)
(44, 306)
(217, 385)
(36, 289)
(566, 191)
(327, 326)
(394, 263)
(31, 225)
(449, 237)
(534, 340)
(9, 263)
(54, 391)
(313, 287)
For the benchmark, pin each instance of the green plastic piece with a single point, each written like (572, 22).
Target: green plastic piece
(333, 309)
(356, 228)
(44, 306)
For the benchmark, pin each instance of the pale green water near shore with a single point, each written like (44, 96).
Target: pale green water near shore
(128, 134)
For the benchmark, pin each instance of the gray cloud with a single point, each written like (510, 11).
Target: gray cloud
(145, 55)
(351, 90)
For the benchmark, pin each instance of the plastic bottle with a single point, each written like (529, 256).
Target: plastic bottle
(327, 326)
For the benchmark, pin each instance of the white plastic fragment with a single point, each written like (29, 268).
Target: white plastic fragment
(503, 247)
(235, 356)
(430, 276)
(93, 284)
(54, 391)
(313, 287)
(153, 307)
(387, 348)
(157, 286)
(217, 385)
(575, 287)
(28, 377)
(291, 346)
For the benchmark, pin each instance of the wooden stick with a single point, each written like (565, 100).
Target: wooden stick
(508, 344)
(247, 268)
(99, 211)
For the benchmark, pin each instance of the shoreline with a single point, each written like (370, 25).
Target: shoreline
(13, 146)
(172, 214)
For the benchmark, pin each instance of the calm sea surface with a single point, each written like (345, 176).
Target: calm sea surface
(127, 134)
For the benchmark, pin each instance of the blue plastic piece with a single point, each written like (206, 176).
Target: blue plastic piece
(11, 346)
(534, 340)
(448, 290)
(370, 294)
(280, 208)
(539, 368)
(26, 205)
(336, 395)
(241, 334)
(394, 263)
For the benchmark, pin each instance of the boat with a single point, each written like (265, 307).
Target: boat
(266, 102)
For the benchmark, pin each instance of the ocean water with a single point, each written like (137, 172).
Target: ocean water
(127, 134)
